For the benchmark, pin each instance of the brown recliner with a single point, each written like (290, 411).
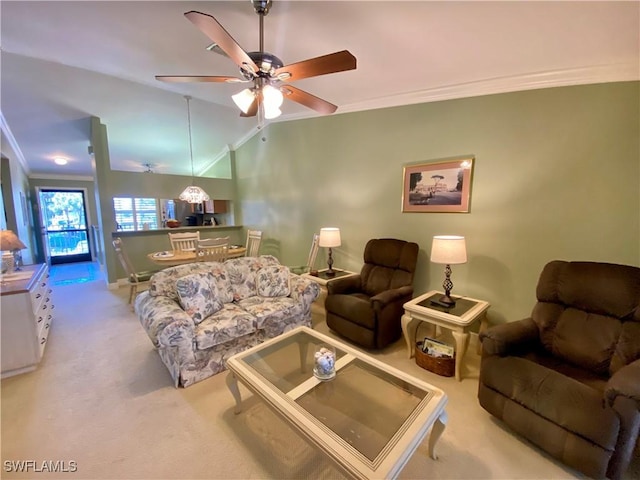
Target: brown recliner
(366, 308)
(568, 377)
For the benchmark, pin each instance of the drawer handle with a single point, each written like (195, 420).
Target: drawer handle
(44, 284)
(47, 325)
(39, 319)
(50, 291)
(43, 341)
(52, 307)
(38, 295)
(44, 307)
(49, 317)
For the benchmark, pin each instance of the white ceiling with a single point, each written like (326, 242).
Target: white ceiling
(63, 62)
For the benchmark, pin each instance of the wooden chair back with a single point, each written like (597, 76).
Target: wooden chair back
(254, 237)
(135, 278)
(313, 253)
(212, 249)
(187, 241)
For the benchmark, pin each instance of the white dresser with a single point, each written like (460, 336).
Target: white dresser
(26, 313)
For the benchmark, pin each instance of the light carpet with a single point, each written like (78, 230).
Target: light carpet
(102, 398)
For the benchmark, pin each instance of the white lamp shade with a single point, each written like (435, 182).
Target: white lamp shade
(244, 99)
(270, 113)
(272, 97)
(448, 249)
(329, 237)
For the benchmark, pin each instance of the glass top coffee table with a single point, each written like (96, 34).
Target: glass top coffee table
(368, 419)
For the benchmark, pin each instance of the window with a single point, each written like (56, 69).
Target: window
(133, 213)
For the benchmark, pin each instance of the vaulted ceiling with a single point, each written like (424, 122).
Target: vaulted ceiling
(63, 62)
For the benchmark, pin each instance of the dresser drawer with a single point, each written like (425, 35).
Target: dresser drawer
(40, 291)
(44, 305)
(44, 317)
(44, 335)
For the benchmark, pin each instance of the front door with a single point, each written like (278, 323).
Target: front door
(64, 225)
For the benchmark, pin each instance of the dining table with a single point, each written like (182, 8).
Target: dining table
(170, 258)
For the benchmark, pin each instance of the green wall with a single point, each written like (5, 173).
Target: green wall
(557, 176)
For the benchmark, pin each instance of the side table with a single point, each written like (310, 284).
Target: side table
(459, 319)
(322, 279)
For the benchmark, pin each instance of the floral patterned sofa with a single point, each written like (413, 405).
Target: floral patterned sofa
(200, 314)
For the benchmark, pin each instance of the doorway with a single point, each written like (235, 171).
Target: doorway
(64, 225)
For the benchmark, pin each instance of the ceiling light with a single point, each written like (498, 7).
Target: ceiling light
(244, 99)
(60, 161)
(193, 193)
(270, 99)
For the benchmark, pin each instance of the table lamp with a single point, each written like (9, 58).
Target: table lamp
(448, 250)
(329, 237)
(10, 245)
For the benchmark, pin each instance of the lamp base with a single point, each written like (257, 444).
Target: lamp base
(446, 301)
(8, 262)
(330, 272)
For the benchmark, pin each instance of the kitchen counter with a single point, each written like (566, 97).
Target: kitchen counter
(164, 231)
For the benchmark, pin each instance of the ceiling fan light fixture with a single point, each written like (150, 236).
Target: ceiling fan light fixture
(271, 113)
(272, 97)
(244, 99)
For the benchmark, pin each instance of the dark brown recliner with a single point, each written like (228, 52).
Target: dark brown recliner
(366, 308)
(568, 377)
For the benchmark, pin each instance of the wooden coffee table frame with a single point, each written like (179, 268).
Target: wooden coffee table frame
(428, 415)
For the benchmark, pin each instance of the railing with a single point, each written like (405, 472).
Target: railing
(68, 242)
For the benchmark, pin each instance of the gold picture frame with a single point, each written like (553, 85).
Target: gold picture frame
(442, 186)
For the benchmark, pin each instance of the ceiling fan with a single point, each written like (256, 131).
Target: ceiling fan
(266, 72)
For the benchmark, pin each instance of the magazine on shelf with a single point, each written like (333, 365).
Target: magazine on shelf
(436, 348)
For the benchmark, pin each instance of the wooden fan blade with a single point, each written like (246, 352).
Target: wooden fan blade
(331, 63)
(216, 32)
(253, 109)
(197, 78)
(308, 100)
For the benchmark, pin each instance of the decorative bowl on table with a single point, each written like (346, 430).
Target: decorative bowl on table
(173, 223)
(325, 363)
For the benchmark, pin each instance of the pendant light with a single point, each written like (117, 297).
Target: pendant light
(192, 194)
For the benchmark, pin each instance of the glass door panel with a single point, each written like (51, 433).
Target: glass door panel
(64, 224)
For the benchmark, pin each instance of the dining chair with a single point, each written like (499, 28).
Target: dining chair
(311, 260)
(184, 241)
(254, 237)
(136, 279)
(212, 249)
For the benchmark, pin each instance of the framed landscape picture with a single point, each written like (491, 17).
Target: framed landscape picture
(438, 186)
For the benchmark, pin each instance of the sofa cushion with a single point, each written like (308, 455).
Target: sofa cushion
(273, 281)
(270, 308)
(220, 277)
(163, 283)
(242, 274)
(229, 323)
(198, 295)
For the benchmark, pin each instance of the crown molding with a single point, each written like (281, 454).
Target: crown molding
(4, 126)
(49, 176)
(516, 83)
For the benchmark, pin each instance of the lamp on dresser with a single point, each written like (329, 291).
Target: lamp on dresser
(448, 250)
(10, 245)
(329, 237)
